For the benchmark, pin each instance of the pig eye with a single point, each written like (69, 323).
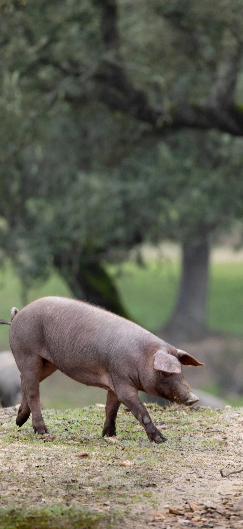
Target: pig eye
(165, 374)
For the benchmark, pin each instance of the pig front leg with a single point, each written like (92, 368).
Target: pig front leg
(129, 397)
(112, 406)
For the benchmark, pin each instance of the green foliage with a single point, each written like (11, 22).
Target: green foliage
(82, 184)
(205, 188)
(172, 49)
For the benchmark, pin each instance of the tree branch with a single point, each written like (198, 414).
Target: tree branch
(109, 29)
(119, 93)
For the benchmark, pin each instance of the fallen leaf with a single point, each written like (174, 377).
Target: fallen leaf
(154, 513)
(175, 511)
(126, 463)
(159, 516)
(111, 439)
(193, 506)
(83, 454)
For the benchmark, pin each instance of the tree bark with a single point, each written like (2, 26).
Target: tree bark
(92, 283)
(188, 321)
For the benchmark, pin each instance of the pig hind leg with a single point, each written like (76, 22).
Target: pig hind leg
(46, 368)
(24, 409)
(112, 406)
(129, 396)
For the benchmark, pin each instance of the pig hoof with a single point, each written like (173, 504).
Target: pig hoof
(22, 418)
(160, 439)
(41, 431)
(109, 432)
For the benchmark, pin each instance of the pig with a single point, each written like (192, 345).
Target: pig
(97, 348)
(10, 387)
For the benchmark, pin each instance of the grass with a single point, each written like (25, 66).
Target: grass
(52, 518)
(51, 485)
(225, 307)
(149, 293)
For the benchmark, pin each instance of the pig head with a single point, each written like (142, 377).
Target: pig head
(168, 381)
(97, 348)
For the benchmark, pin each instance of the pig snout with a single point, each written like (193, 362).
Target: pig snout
(185, 395)
(191, 399)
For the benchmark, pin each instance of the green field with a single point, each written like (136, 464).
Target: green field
(225, 308)
(148, 293)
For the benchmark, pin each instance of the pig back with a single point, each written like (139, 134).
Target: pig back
(80, 331)
(76, 334)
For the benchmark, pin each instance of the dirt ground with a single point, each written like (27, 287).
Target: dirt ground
(185, 482)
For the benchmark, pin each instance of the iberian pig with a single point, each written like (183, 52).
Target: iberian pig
(97, 348)
(9, 380)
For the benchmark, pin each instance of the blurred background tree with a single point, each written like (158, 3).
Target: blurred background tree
(121, 124)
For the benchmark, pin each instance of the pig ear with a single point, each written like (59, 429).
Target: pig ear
(165, 362)
(186, 359)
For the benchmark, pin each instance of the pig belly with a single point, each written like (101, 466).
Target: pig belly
(89, 378)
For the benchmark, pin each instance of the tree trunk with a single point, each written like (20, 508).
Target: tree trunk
(188, 321)
(91, 283)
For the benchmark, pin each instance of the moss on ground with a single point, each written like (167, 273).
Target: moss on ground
(53, 518)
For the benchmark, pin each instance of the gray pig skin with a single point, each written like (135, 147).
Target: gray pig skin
(97, 348)
(10, 387)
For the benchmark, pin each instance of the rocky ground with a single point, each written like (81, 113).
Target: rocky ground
(73, 477)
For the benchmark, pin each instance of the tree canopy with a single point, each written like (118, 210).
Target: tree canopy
(121, 122)
(169, 66)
